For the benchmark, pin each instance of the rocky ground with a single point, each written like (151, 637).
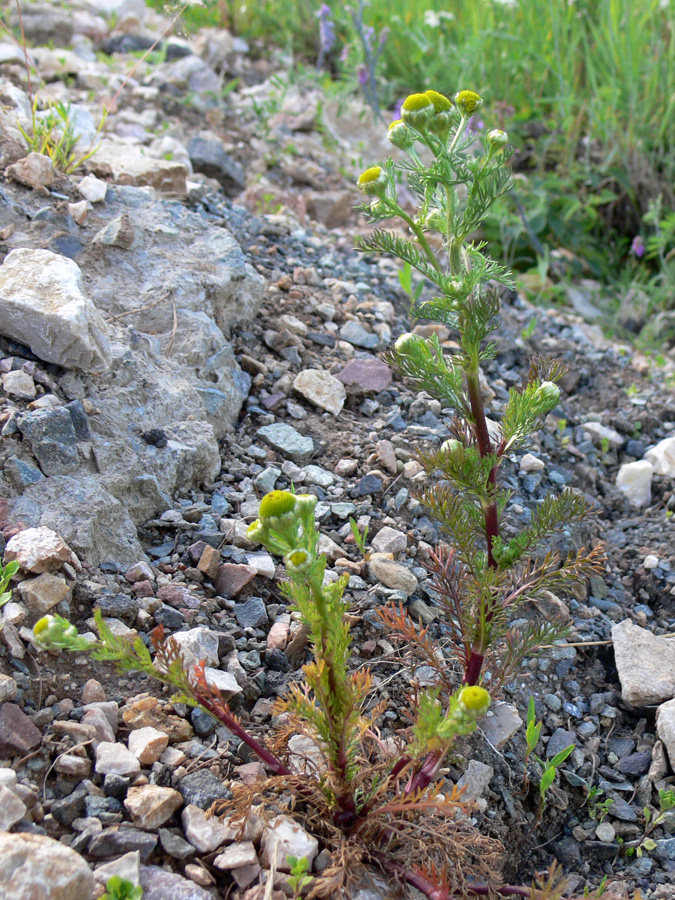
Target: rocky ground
(184, 326)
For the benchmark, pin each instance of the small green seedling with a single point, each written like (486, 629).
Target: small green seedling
(597, 808)
(550, 771)
(360, 539)
(529, 329)
(298, 879)
(550, 767)
(121, 889)
(7, 572)
(406, 281)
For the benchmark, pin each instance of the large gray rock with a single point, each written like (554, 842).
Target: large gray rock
(646, 664)
(129, 165)
(43, 307)
(662, 457)
(665, 728)
(160, 885)
(33, 867)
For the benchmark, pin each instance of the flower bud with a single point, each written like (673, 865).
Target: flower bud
(476, 699)
(468, 102)
(417, 111)
(497, 139)
(548, 393)
(407, 343)
(373, 181)
(440, 101)
(256, 532)
(400, 135)
(451, 446)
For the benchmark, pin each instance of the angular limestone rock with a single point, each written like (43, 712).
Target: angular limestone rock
(43, 307)
(33, 866)
(322, 389)
(646, 664)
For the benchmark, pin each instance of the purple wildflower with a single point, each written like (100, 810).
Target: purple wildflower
(326, 29)
(638, 246)
(362, 75)
(475, 124)
(369, 36)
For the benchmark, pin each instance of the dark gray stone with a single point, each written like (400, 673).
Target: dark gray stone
(251, 614)
(277, 661)
(118, 841)
(168, 617)
(80, 420)
(116, 786)
(52, 439)
(18, 735)
(22, 473)
(174, 845)
(558, 741)
(202, 788)
(119, 606)
(204, 723)
(636, 764)
(70, 808)
(369, 484)
(210, 158)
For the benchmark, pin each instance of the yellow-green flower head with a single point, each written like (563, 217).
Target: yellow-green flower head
(276, 503)
(400, 135)
(299, 560)
(474, 698)
(42, 627)
(497, 138)
(373, 181)
(417, 111)
(468, 102)
(256, 532)
(440, 101)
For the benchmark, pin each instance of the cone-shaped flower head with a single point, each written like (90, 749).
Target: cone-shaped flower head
(440, 101)
(400, 135)
(276, 503)
(408, 343)
(468, 102)
(417, 111)
(55, 632)
(373, 181)
(299, 560)
(548, 394)
(474, 698)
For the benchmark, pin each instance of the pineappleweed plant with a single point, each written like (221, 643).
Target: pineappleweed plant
(480, 575)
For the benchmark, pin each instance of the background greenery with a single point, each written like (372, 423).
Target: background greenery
(585, 88)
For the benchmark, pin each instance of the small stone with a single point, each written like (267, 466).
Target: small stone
(388, 540)
(650, 561)
(645, 663)
(346, 467)
(202, 788)
(158, 884)
(129, 165)
(93, 692)
(662, 457)
(236, 855)
(665, 728)
(559, 740)
(392, 574)
(634, 482)
(174, 845)
(203, 833)
(530, 463)
(369, 374)
(322, 389)
(602, 435)
(197, 645)
(209, 561)
(103, 730)
(35, 170)
(232, 578)
(387, 456)
(73, 765)
(635, 764)
(22, 473)
(210, 157)
(12, 809)
(605, 832)
(319, 476)
(500, 724)
(475, 780)
(43, 593)
(222, 681)
(118, 841)
(52, 438)
(33, 866)
(115, 759)
(18, 735)
(93, 189)
(141, 571)
(8, 688)
(19, 384)
(252, 613)
(151, 805)
(369, 484)
(127, 867)
(354, 333)
(147, 744)
(284, 837)
(120, 232)
(263, 564)
(39, 550)
(287, 441)
(78, 212)
(277, 637)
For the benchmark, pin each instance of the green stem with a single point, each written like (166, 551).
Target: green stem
(419, 234)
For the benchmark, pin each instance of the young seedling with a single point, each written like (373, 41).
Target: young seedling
(359, 539)
(551, 767)
(298, 880)
(121, 889)
(652, 820)
(597, 808)
(484, 571)
(532, 732)
(7, 572)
